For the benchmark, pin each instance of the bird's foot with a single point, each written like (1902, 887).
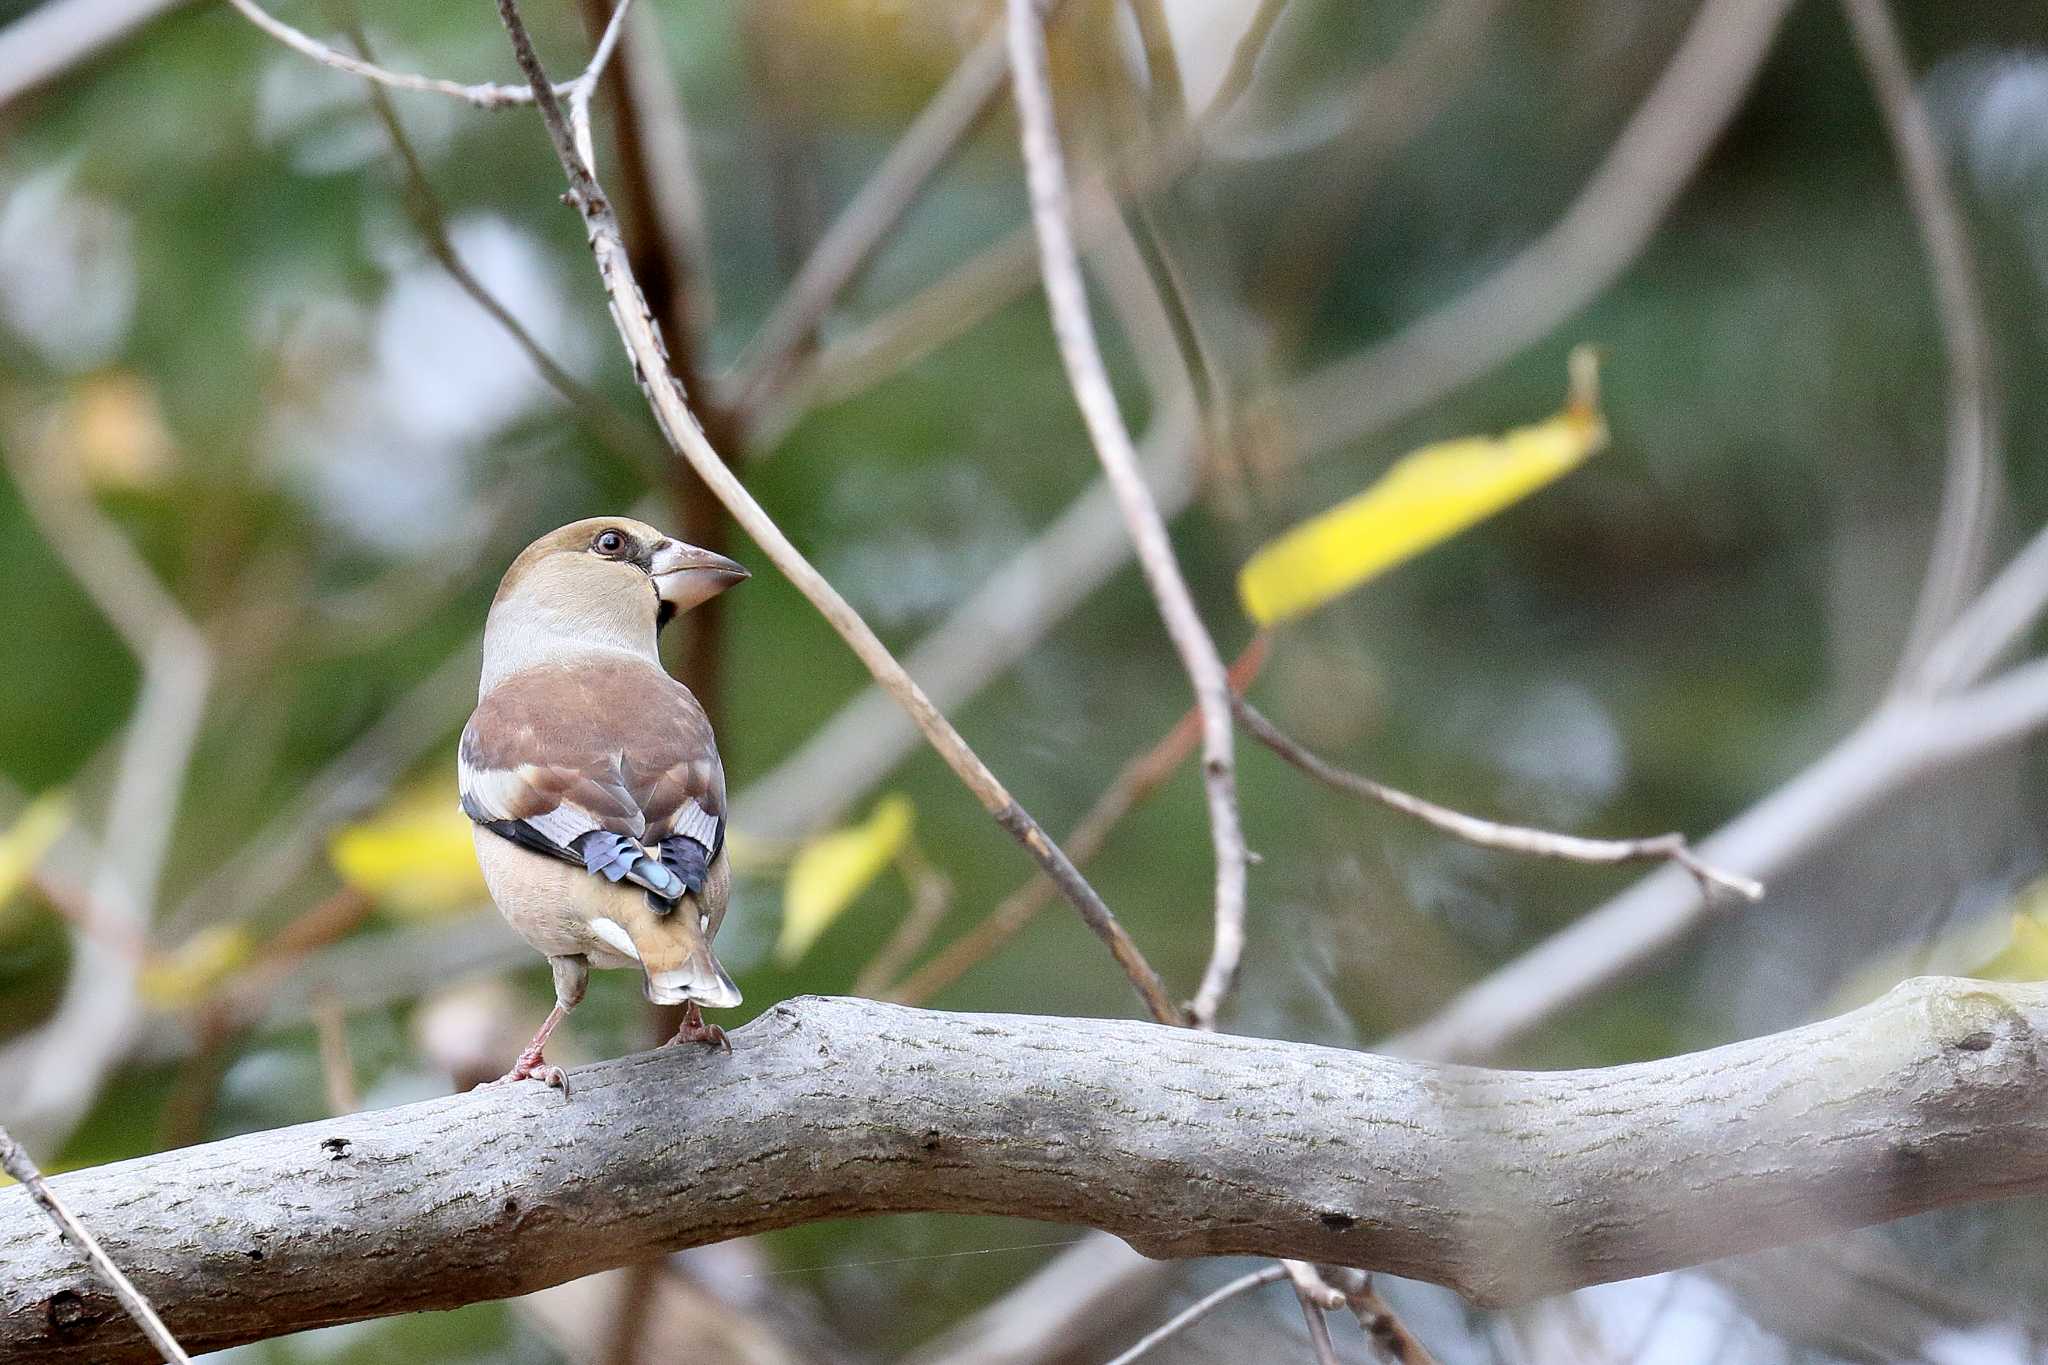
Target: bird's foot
(531, 1066)
(695, 1030)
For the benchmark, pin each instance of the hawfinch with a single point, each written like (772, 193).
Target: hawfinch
(591, 774)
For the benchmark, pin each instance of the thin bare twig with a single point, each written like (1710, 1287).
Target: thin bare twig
(1061, 267)
(484, 94)
(618, 432)
(1199, 1309)
(1388, 1334)
(1313, 1314)
(1140, 777)
(660, 205)
(1244, 59)
(1606, 227)
(16, 1163)
(1537, 843)
(852, 240)
(641, 336)
(1898, 744)
(651, 102)
(1970, 487)
(584, 86)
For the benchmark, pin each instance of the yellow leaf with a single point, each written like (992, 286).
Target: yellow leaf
(110, 429)
(415, 857)
(829, 873)
(1426, 498)
(23, 845)
(2012, 946)
(2024, 954)
(188, 973)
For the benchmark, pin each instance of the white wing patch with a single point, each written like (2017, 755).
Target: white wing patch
(564, 824)
(494, 791)
(499, 791)
(697, 823)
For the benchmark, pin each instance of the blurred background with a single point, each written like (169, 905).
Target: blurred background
(288, 374)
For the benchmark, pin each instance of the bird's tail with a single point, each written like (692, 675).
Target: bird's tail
(698, 977)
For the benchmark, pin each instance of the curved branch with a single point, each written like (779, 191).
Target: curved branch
(1505, 1185)
(1972, 485)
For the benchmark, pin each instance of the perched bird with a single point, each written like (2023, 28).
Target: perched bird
(591, 774)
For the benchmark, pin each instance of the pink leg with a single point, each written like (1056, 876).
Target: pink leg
(532, 1065)
(695, 1030)
(571, 975)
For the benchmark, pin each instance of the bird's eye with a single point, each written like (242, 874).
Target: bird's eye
(608, 543)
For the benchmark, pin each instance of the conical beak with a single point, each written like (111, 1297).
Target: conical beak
(685, 575)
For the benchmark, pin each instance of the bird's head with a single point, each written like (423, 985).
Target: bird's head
(604, 581)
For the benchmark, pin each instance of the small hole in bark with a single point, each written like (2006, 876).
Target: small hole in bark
(254, 1253)
(1976, 1042)
(65, 1311)
(1339, 1222)
(932, 1138)
(511, 1208)
(335, 1147)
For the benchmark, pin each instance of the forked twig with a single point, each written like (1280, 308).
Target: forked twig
(585, 85)
(1491, 833)
(641, 336)
(16, 1163)
(483, 94)
(603, 420)
(1060, 265)
(1139, 778)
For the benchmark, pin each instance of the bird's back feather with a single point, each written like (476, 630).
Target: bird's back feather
(607, 762)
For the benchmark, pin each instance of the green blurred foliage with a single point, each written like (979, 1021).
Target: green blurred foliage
(1691, 601)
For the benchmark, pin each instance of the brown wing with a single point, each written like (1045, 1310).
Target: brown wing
(613, 746)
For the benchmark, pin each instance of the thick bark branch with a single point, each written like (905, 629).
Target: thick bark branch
(1505, 1185)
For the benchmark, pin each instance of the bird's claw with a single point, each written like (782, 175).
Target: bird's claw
(695, 1030)
(534, 1069)
(702, 1033)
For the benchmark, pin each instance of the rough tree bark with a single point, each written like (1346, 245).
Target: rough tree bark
(1504, 1185)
